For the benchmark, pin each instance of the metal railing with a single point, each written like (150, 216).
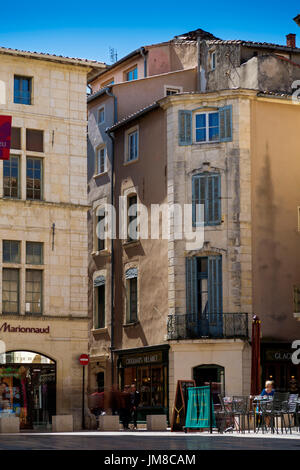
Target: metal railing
(214, 325)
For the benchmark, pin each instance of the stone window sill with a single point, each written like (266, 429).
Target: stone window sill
(126, 325)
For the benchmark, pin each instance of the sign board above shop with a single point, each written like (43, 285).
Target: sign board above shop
(142, 359)
(7, 328)
(5, 137)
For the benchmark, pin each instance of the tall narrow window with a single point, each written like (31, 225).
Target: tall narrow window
(33, 295)
(99, 311)
(101, 160)
(132, 217)
(101, 115)
(11, 251)
(206, 190)
(11, 177)
(132, 295)
(100, 218)
(22, 89)
(132, 146)
(10, 291)
(34, 178)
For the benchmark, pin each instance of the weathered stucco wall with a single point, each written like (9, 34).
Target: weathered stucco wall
(275, 199)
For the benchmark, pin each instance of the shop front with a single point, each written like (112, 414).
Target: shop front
(28, 388)
(277, 365)
(148, 368)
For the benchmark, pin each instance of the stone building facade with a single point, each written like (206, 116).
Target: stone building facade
(43, 231)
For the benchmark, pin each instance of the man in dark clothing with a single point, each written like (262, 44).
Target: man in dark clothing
(125, 407)
(135, 399)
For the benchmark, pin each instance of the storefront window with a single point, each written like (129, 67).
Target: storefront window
(28, 388)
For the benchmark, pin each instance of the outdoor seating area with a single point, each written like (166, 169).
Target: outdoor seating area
(279, 413)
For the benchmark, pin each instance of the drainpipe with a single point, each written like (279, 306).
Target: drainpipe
(112, 277)
(143, 53)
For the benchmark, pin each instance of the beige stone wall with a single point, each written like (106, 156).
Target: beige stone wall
(59, 110)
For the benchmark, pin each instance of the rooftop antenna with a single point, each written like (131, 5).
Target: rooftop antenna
(113, 54)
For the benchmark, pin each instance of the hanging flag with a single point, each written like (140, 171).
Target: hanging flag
(5, 137)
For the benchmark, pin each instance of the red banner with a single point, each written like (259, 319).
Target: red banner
(5, 137)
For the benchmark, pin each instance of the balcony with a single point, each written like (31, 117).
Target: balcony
(216, 325)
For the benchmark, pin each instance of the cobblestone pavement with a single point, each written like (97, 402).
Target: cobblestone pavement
(147, 441)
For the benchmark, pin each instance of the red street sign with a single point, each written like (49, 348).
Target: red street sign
(84, 359)
(5, 137)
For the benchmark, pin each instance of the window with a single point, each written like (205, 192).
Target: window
(132, 153)
(34, 178)
(11, 177)
(211, 126)
(33, 295)
(99, 319)
(34, 253)
(207, 127)
(101, 115)
(16, 138)
(132, 295)
(132, 74)
(206, 189)
(11, 251)
(10, 291)
(34, 140)
(132, 217)
(204, 295)
(22, 89)
(100, 230)
(101, 160)
(172, 90)
(213, 60)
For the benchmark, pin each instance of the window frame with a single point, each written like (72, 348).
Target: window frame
(207, 127)
(101, 108)
(172, 87)
(8, 162)
(131, 70)
(98, 150)
(98, 240)
(17, 270)
(18, 244)
(41, 179)
(131, 218)
(97, 324)
(40, 271)
(128, 133)
(42, 252)
(131, 319)
(21, 78)
(209, 204)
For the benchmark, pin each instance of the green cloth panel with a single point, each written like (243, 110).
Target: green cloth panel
(198, 413)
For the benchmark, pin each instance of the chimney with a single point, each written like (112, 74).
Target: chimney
(291, 40)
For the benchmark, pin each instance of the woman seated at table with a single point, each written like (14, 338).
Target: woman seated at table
(268, 391)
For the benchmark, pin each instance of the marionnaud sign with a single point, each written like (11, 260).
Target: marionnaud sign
(7, 328)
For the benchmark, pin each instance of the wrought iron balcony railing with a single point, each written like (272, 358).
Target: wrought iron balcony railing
(214, 325)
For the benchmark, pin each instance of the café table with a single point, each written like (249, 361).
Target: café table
(257, 402)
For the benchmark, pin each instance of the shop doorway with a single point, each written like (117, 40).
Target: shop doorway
(28, 388)
(210, 373)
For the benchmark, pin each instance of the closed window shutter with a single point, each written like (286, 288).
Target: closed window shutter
(206, 190)
(215, 285)
(191, 286)
(225, 120)
(184, 127)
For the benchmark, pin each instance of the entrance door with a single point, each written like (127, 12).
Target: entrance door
(28, 388)
(213, 373)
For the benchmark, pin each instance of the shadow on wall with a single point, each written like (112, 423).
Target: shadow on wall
(268, 262)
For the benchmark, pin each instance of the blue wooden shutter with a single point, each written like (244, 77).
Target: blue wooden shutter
(191, 286)
(225, 120)
(215, 304)
(184, 127)
(214, 199)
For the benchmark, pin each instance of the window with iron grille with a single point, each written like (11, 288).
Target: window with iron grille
(34, 253)
(22, 89)
(33, 295)
(10, 291)
(34, 178)
(11, 251)
(11, 177)
(206, 190)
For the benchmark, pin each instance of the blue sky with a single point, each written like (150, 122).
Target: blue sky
(89, 29)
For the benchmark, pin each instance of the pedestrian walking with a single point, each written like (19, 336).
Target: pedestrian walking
(135, 399)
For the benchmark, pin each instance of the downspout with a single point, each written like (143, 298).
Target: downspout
(143, 53)
(112, 277)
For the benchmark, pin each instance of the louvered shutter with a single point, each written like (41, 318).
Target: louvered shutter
(215, 285)
(184, 127)
(191, 286)
(225, 120)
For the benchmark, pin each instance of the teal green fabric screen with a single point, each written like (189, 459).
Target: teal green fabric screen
(198, 412)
